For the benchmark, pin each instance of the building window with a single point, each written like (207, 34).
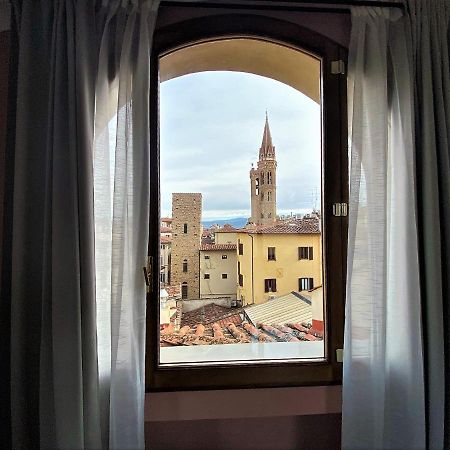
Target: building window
(162, 278)
(270, 285)
(240, 276)
(224, 256)
(305, 284)
(271, 253)
(224, 276)
(185, 228)
(185, 266)
(305, 253)
(164, 373)
(206, 276)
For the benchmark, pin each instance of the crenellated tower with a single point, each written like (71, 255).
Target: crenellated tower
(263, 182)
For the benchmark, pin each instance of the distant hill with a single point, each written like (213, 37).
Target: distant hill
(236, 222)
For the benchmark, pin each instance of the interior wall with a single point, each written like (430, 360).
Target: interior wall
(318, 432)
(332, 25)
(4, 69)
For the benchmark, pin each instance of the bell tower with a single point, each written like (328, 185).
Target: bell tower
(263, 180)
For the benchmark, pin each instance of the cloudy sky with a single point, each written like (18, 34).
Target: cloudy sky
(211, 130)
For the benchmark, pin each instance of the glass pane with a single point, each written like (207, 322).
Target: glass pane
(241, 193)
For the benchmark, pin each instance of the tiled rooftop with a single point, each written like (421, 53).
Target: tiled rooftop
(297, 226)
(166, 219)
(230, 333)
(173, 291)
(303, 227)
(214, 247)
(209, 314)
(165, 230)
(165, 240)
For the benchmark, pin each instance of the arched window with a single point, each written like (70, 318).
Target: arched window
(299, 58)
(185, 265)
(185, 228)
(184, 290)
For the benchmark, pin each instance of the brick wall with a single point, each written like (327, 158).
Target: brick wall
(186, 211)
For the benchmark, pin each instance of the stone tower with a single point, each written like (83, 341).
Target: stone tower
(263, 182)
(186, 237)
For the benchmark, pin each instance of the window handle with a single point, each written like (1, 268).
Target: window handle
(148, 271)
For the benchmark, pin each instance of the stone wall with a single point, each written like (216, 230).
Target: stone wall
(186, 237)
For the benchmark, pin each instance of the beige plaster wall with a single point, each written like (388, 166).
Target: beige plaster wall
(279, 62)
(216, 266)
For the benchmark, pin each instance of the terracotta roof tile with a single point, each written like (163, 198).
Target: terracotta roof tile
(234, 230)
(173, 291)
(208, 314)
(305, 226)
(165, 240)
(165, 230)
(225, 331)
(166, 219)
(236, 319)
(214, 247)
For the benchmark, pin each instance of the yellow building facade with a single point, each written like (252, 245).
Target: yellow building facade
(278, 260)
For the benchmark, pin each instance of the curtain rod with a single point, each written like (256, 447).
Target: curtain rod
(287, 5)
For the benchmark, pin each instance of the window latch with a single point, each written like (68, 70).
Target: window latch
(338, 67)
(339, 355)
(148, 271)
(340, 209)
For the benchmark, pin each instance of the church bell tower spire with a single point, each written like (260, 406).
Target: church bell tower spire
(263, 182)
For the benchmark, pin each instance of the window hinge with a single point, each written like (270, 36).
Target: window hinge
(338, 67)
(148, 271)
(340, 209)
(339, 355)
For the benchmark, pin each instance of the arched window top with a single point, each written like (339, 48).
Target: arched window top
(294, 67)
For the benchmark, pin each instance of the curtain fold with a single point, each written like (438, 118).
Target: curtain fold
(77, 333)
(430, 36)
(122, 201)
(383, 394)
(53, 334)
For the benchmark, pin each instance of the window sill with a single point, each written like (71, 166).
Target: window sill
(242, 403)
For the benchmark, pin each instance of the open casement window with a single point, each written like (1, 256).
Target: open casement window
(264, 356)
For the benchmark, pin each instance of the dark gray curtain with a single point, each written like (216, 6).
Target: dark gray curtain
(54, 386)
(430, 38)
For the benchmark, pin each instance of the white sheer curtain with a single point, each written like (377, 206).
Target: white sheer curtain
(121, 209)
(383, 392)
